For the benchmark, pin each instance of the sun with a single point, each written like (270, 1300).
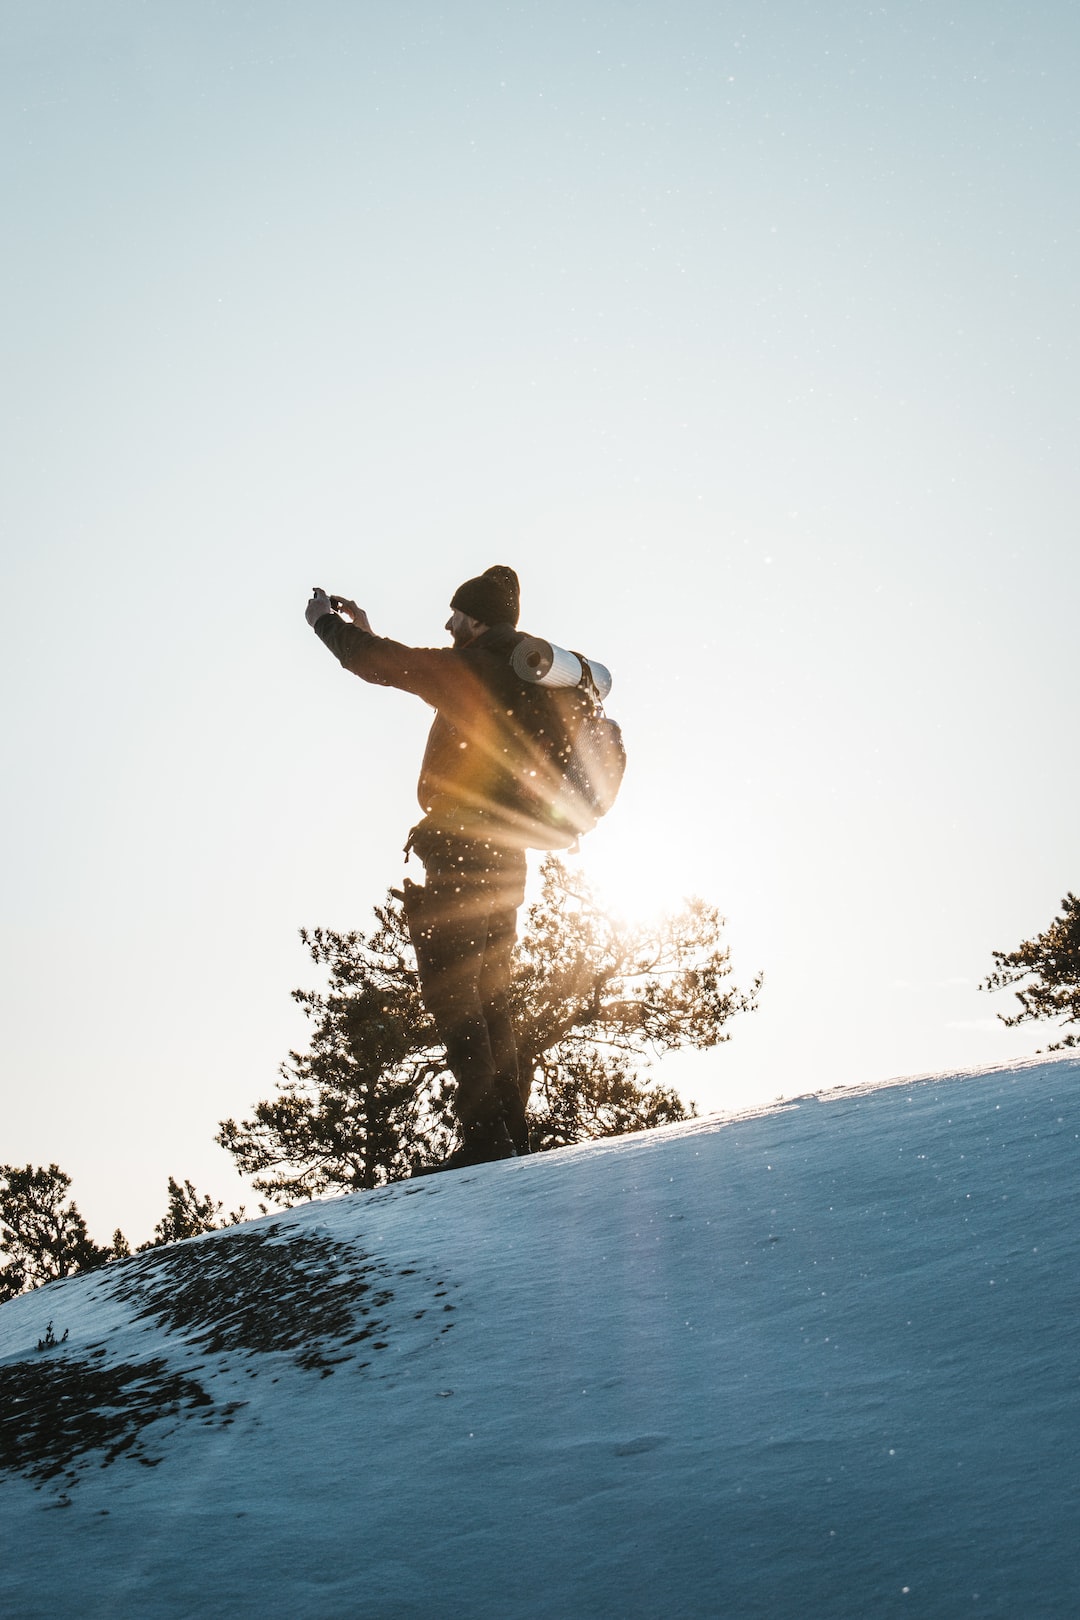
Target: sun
(636, 874)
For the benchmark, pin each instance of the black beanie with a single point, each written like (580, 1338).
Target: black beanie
(493, 597)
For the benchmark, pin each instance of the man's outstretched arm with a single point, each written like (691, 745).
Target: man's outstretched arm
(432, 673)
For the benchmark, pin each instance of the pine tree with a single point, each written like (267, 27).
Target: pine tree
(44, 1237)
(1051, 961)
(189, 1214)
(371, 1100)
(593, 1001)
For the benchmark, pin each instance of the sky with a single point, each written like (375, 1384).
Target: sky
(745, 332)
(809, 1363)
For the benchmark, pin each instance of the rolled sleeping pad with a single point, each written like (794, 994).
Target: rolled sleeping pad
(548, 665)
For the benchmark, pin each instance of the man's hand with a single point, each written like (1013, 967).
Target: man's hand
(318, 607)
(342, 605)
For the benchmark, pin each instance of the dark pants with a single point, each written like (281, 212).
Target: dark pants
(463, 924)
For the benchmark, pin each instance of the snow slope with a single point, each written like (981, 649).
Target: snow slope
(815, 1362)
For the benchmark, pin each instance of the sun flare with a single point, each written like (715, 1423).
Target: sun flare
(635, 877)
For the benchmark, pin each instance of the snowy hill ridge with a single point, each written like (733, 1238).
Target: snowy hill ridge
(811, 1361)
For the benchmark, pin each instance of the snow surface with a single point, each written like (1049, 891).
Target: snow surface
(818, 1361)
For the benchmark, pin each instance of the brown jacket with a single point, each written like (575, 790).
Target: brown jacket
(478, 746)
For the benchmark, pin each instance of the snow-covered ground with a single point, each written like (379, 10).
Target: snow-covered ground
(816, 1362)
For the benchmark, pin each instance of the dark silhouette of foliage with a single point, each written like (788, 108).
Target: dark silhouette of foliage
(43, 1236)
(189, 1214)
(371, 1100)
(1051, 962)
(594, 1001)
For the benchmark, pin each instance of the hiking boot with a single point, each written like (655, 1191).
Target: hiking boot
(484, 1140)
(479, 1147)
(513, 1109)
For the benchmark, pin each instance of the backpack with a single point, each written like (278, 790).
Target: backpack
(570, 764)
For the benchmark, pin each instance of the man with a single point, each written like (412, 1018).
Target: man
(471, 840)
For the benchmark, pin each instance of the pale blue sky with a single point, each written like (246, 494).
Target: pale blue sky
(746, 332)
